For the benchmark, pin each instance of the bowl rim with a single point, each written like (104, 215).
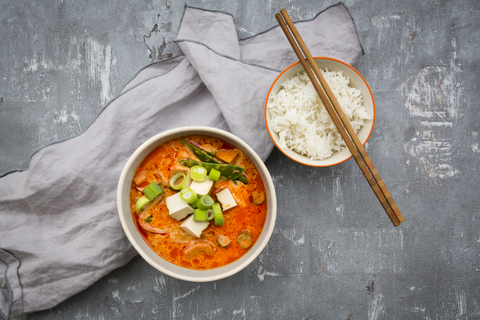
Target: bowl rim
(239, 143)
(270, 133)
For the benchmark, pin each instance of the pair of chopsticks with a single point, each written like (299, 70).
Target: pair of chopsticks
(341, 121)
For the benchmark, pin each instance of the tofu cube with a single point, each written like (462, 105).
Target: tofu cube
(162, 181)
(194, 228)
(202, 188)
(177, 208)
(228, 156)
(226, 199)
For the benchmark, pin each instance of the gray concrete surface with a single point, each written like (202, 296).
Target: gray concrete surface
(333, 254)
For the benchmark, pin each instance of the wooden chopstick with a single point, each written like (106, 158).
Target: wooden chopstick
(340, 120)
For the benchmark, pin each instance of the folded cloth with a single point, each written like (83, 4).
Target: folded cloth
(59, 229)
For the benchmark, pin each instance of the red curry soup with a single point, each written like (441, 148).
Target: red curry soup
(198, 202)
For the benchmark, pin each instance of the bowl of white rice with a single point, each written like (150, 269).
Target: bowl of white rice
(299, 124)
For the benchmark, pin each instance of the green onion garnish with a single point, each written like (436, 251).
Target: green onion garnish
(141, 204)
(175, 178)
(210, 214)
(149, 219)
(188, 195)
(198, 173)
(152, 191)
(214, 175)
(200, 215)
(205, 202)
(217, 214)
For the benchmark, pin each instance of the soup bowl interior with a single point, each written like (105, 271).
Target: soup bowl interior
(356, 81)
(133, 235)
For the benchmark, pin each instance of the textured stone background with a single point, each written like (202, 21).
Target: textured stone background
(334, 254)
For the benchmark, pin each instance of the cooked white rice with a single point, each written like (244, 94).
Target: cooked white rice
(299, 118)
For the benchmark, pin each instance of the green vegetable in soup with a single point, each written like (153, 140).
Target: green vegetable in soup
(203, 155)
(217, 214)
(152, 191)
(244, 239)
(228, 171)
(141, 204)
(223, 241)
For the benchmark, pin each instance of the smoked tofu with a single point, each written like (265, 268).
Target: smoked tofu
(226, 199)
(194, 228)
(177, 208)
(202, 188)
(143, 178)
(162, 181)
(177, 168)
(228, 156)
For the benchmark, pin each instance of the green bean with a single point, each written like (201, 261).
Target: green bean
(229, 171)
(203, 155)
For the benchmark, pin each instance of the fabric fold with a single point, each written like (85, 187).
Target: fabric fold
(60, 231)
(12, 300)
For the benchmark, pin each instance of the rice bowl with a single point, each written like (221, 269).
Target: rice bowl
(300, 126)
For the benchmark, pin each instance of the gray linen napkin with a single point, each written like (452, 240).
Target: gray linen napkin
(59, 230)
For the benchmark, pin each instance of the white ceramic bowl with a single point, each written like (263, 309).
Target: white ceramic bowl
(356, 80)
(123, 204)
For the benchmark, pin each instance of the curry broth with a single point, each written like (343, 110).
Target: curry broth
(164, 235)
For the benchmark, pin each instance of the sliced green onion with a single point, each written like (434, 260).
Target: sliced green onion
(217, 214)
(194, 204)
(210, 214)
(218, 219)
(214, 175)
(175, 178)
(152, 191)
(141, 204)
(188, 195)
(205, 202)
(200, 215)
(198, 173)
(149, 219)
(244, 239)
(216, 208)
